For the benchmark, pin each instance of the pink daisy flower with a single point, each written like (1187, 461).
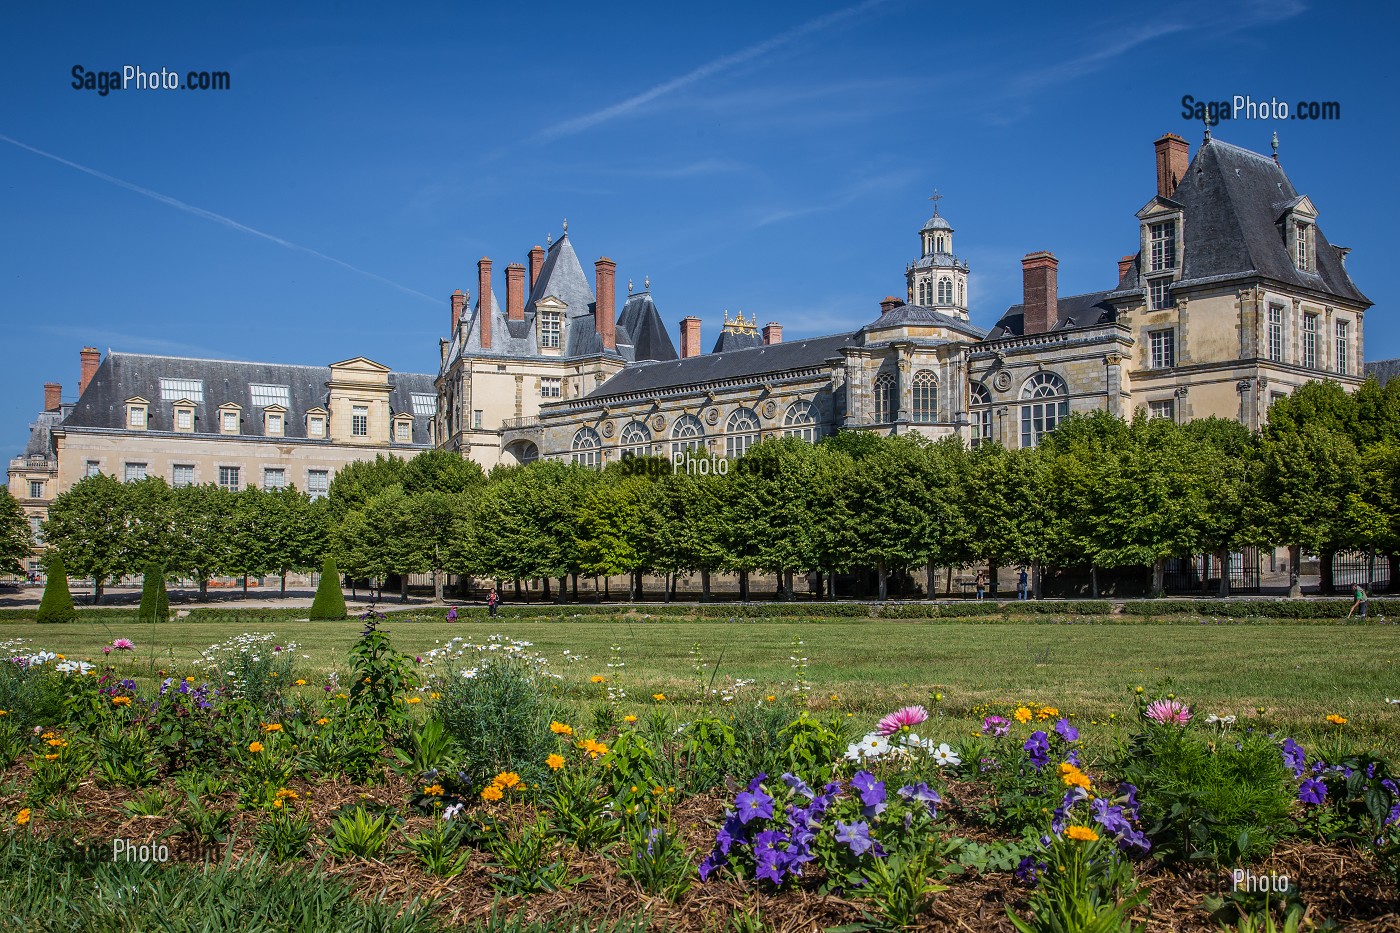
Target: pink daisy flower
(1169, 712)
(123, 644)
(900, 718)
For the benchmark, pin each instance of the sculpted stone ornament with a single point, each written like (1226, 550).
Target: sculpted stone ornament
(1113, 359)
(658, 421)
(770, 408)
(712, 416)
(1001, 381)
(608, 429)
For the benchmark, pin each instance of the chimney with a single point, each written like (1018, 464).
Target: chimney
(536, 261)
(772, 333)
(459, 301)
(605, 308)
(1125, 265)
(1039, 272)
(483, 300)
(1172, 158)
(515, 292)
(90, 360)
(889, 303)
(53, 396)
(690, 336)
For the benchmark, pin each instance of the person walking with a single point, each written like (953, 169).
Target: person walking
(1358, 599)
(493, 601)
(1021, 583)
(981, 584)
(452, 614)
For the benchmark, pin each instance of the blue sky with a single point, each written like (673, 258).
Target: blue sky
(771, 158)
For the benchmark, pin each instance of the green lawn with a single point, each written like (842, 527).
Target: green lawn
(1298, 673)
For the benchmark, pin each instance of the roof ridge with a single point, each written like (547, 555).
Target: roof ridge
(211, 359)
(1237, 148)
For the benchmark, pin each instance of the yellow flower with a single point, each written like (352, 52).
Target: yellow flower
(413, 700)
(1137, 689)
(491, 792)
(3, 713)
(301, 683)
(555, 762)
(593, 748)
(62, 658)
(255, 747)
(277, 803)
(22, 818)
(435, 695)
(58, 743)
(658, 697)
(433, 790)
(323, 721)
(507, 779)
(1336, 720)
(53, 757)
(342, 696)
(598, 678)
(1022, 714)
(771, 699)
(121, 701)
(273, 674)
(272, 727)
(1074, 777)
(658, 791)
(1081, 833)
(558, 728)
(629, 718)
(189, 680)
(48, 735)
(1047, 712)
(285, 792)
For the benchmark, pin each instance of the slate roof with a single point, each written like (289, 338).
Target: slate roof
(734, 340)
(1234, 202)
(124, 375)
(642, 323)
(904, 314)
(936, 223)
(40, 439)
(1383, 370)
(1071, 311)
(715, 367)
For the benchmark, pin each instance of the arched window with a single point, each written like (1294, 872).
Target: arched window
(884, 398)
(1044, 404)
(800, 421)
(925, 396)
(942, 245)
(587, 448)
(962, 294)
(687, 434)
(979, 402)
(945, 291)
(741, 432)
(635, 440)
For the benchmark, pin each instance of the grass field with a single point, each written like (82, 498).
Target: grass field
(1298, 673)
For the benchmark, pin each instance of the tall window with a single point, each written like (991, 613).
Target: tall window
(945, 291)
(92, 468)
(549, 386)
(274, 478)
(1276, 333)
(316, 426)
(1162, 408)
(1342, 347)
(587, 447)
(182, 474)
(884, 398)
(36, 528)
(551, 326)
(184, 419)
(478, 417)
(1163, 343)
(687, 435)
(134, 472)
(403, 432)
(229, 478)
(318, 483)
(800, 421)
(925, 396)
(1162, 242)
(1310, 341)
(228, 421)
(274, 424)
(1044, 404)
(136, 416)
(359, 421)
(635, 439)
(1159, 294)
(923, 292)
(1300, 236)
(980, 413)
(741, 432)
(962, 294)
(36, 489)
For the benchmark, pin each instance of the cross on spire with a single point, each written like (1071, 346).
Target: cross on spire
(935, 198)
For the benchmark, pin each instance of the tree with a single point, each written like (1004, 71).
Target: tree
(329, 603)
(611, 532)
(200, 534)
(155, 601)
(150, 524)
(87, 525)
(358, 482)
(1003, 501)
(57, 603)
(441, 471)
(1226, 458)
(252, 538)
(296, 532)
(898, 502)
(15, 539)
(685, 524)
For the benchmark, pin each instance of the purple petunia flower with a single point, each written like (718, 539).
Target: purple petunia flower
(856, 836)
(1029, 870)
(872, 792)
(753, 804)
(995, 726)
(1038, 747)
(712, 863)
(1312, 791)
(921, 791)
(799, 785)
(1065, 731)
(1294, 757)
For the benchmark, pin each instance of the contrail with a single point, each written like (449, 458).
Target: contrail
(217, 218)
(590, 120)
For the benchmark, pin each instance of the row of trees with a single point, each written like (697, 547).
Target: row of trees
(1324, 476)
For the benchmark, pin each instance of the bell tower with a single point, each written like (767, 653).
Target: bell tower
(938, 279)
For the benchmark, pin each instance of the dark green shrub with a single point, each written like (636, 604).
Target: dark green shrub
(57, 604)
(155, 600)
(330, 600)
(499, 717)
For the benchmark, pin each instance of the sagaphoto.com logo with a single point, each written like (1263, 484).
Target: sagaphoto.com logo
(134, 77)
(1244, 107)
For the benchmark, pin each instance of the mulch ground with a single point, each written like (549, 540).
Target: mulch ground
(1336, 882)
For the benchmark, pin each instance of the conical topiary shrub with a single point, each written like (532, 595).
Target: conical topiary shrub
(57, 604)
(330, 601)
(155, 600)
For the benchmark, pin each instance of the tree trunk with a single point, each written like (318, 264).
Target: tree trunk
(1224, 557)
(203, 588)
(743, 586)
(1094, 581)
(284, 583)
(96, 591)
(884, 573)
(403, 587)
(1325, 560)
(575, 582)
(992, 578)
(704, 586)
(1035, 579)
(670, 582)
(1295, 584)
(930, 578)
(787, 584)
(948, 582)
(245, 584)
(1159, 577)
(438, 584)
(517, 588)
(831, 584)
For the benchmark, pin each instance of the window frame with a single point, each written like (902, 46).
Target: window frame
(231, 478)
(1159, 294)
(1274, 333)
(1342, 332)
(634, 439)
(554, 383)
(1162, 408)
(1310, 333)
(318, 490)
(586, 450)
(268, 472)
(40, 484)
(1044, 404)
(1161, 248)
(800, 420)
(130, 468)
(551, 330)
(741, 431)
(883, 398)
(1162, 348)
(359, 420)
(687, 434)
(925, 390)
(175, 469)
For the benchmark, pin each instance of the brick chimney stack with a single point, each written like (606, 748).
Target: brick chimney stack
(605, 308)
(483, 300)
(772, 333)
(889, 303)
(1125, 265)
(1040, 276)
(536, 261)
(690, 336)
(53, 396)
(459, 302)
(1173, 155)
(91, 359)
(515, 292)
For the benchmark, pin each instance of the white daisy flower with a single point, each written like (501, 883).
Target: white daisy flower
(944, 755)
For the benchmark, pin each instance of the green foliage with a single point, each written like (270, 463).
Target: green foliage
(656, 859)
(1084, 887)
(437, 848)
(528, 861)
(580, 810)
(152, 802)
(379, 674)
(88, 527)
(15, 538)
(203, 823)
(284, 833)
(428, 748)
(126, 756)
(358, 833)
(330, 599)
(155, 601)
(57, 603)
(499, 718)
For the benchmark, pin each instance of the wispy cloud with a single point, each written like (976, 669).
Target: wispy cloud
(217, 218)
(131, 343)
(852, 193)
(719, 65)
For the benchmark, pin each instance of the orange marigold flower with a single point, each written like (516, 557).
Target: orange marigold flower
(53, 757)
(558, 728)
(1022, 714)
(629, 718)
(1336, 720)
(301, 683)
(272, 727)
(323, 721)
(433, 790)
(598, 678)
(658, 697)
(1047, 712)
(1081, 833)
(121, 701)
(22, 818)
(412, 700)
(255, 747)
(491, 792)
(555, 762)
(507, 779)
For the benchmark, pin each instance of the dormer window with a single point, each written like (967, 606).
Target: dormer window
(1162, 241)
(551, 330)
(230, 419)
(403, 430)
(274, 422)
(1302, 246)
(316, 423)
(184, 416)
(136, 416)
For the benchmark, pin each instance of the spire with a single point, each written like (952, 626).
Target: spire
(935, 199)
(1274, 143)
